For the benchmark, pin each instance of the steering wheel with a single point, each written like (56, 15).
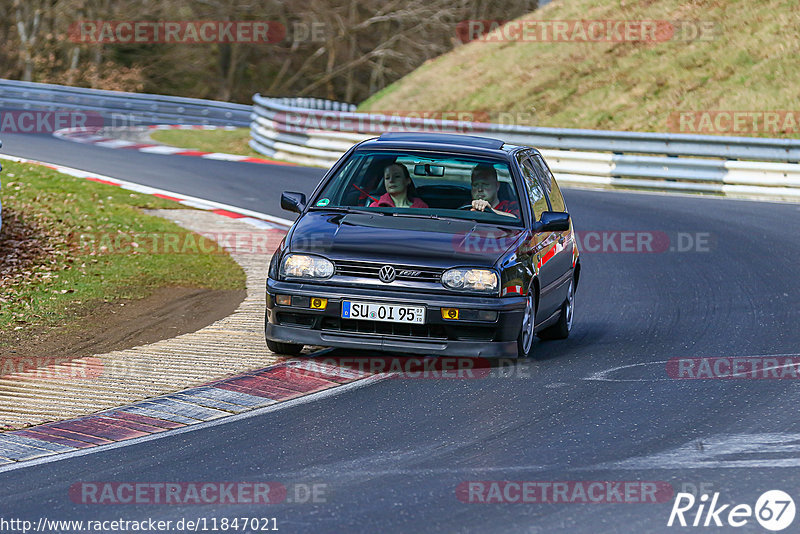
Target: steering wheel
(466, 206)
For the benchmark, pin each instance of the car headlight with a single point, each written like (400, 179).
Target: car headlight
(482, 280)
(305, 266)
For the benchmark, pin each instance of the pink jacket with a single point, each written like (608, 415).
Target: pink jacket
(386, 202)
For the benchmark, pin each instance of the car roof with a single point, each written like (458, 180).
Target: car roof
(446, 142)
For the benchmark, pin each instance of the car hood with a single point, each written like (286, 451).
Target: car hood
(401, 240)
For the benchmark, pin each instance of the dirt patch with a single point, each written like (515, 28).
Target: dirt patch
(22, 245)
(123, 324)
(28, 253)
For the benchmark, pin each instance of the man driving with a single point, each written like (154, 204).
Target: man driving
(485, 186)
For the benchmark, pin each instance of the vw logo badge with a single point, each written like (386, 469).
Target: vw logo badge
(387, 274)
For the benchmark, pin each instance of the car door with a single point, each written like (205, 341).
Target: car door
(558, 254)
(541, 242)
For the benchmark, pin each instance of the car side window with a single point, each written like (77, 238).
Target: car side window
(553, 191)
(542, 173)
(535, 192)
(556, 199)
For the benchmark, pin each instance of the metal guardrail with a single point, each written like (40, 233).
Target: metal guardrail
(122, 109)
(314, 103)
(293, 113)
(317, 133)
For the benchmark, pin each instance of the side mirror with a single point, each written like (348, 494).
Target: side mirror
(291, 201)
(553, 221)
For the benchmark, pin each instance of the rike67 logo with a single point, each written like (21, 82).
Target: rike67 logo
(774, 510)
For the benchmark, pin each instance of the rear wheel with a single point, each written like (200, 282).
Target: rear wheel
(288, 349)
(526, 333)
(561, 329)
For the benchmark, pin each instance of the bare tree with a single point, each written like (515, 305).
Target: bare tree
(371, 43)
(27, 17)
(338, 49)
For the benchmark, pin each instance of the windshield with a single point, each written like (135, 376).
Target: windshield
(425, 185)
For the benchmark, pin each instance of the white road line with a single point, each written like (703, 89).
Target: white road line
(224, 157)
(716, 451)
(602, 376)
(115, 143)
(162, 149)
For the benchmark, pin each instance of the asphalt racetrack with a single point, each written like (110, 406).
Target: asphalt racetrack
(604, 405)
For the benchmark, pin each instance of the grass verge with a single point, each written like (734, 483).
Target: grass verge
(60, 276)
(747, 61)
(225, 141)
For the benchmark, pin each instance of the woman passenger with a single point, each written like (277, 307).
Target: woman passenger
(397, 182)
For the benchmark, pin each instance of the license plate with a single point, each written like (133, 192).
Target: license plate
(391, 313)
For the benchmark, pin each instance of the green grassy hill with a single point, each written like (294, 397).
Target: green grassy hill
(749, 62)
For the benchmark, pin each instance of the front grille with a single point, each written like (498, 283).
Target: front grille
(473, 333)
(365, 269)
(295, 319)
(427, 331)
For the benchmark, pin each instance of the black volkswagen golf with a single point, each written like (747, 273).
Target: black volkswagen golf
(426, 243)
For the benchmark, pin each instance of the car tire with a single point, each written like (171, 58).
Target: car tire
(561, 329)
(527, 331)
(287, 349)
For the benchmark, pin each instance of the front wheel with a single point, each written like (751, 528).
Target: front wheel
(287, 349)
(526, 333)
(561, 329)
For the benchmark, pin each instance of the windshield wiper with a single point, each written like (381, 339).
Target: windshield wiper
(426, 216)
(346, 209)
(353, 209)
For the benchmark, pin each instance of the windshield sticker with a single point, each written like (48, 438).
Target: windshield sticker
(323, 202)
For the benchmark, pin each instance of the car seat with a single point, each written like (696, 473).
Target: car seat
(505, 192)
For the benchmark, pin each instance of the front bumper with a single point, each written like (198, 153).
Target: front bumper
(438, 336)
